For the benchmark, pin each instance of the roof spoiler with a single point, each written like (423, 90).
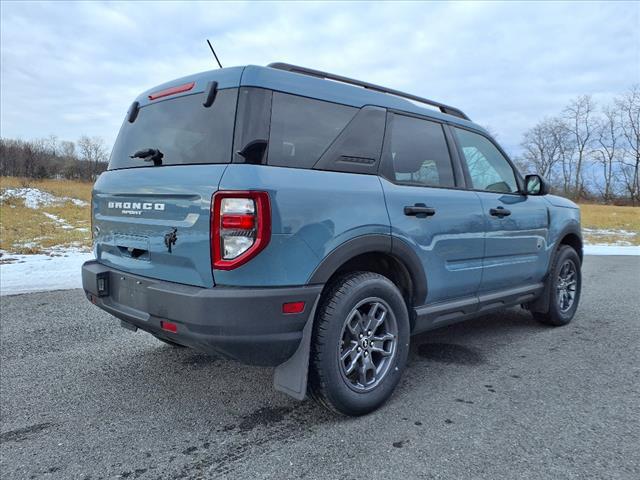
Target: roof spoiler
(449, 110)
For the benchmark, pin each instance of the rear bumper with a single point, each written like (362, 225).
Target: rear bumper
(246, 324)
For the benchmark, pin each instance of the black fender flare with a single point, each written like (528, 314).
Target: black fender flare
(372, 243)
(541, 304)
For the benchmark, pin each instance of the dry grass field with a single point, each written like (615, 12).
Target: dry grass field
(609, 224)
(38, 215)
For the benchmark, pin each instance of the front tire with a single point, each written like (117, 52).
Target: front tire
(360, 344)
(564, 289)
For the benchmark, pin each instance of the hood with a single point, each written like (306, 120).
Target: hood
(557, 201)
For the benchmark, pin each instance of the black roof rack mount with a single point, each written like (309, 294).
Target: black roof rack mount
(338, 78)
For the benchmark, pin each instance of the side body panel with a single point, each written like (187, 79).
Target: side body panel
(313, 212)
(450, 244)
(516, 245)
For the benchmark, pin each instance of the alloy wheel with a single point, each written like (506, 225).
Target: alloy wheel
(368, 344)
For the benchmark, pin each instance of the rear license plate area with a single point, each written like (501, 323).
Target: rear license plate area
(129, 291)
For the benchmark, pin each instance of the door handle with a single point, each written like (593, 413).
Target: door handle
(419, 210)
(500, 212)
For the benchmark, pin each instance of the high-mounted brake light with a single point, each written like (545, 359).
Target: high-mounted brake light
(172, 91)
(240, 227)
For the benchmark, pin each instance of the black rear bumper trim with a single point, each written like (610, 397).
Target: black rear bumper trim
(243, 323)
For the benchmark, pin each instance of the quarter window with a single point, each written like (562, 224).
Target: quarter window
(416, 153)
(303, 128)
(488, 168)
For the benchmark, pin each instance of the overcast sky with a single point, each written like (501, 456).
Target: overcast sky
(73, 68)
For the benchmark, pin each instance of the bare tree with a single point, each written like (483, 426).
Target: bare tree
(566, 153)
(541, 146)
(50, 158)
(578, 116)
(607, 133)
(93, 151)
(628, 106)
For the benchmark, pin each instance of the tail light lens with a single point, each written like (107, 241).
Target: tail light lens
(240, 227)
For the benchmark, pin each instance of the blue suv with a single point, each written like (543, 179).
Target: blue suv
(288, 217)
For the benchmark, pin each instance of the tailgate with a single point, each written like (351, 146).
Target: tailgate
(154, 222)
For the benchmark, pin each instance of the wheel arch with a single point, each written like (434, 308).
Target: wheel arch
(383, 254)
(574, 240)
(572, 237)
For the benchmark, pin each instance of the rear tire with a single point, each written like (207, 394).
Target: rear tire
(360, 344)
(564, 290)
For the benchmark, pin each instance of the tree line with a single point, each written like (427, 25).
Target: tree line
(589, 151)
(586, 151)
(51, 158)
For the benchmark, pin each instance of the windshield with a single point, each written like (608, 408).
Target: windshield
(182, 129)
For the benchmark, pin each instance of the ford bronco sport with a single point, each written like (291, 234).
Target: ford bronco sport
(288, 217)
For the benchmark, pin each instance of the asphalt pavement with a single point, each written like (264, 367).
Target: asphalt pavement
(498, 397)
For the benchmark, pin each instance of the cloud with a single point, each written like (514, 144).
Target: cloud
(73, 68)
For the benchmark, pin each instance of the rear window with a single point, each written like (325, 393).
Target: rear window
(182, 129)
(303, 128)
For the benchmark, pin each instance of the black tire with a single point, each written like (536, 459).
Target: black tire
(557, 315)
(356, 393)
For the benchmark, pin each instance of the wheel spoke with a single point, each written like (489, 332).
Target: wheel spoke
(379, 321)
(383, 338)
(349, 351)
(365, 367)
(362, 374)
(372, 317)
(353, 364)
(354, 324)
(380, 349)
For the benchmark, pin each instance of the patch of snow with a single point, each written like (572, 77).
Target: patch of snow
(35, 198)
(611, 250)
(604, 232)
(78, 202)
(58, 270)
(60, 221)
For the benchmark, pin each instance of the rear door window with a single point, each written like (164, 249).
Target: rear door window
(182, 129)
(416, 153)
(303, 128)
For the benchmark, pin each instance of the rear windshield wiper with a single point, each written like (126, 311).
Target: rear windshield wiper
(149, 155)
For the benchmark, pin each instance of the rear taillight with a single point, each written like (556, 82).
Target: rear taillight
(240, 227)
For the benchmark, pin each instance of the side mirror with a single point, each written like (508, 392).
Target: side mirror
(535, 185)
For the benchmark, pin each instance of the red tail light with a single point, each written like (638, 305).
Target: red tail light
(168, 326)
(293, 307)
(240, 227)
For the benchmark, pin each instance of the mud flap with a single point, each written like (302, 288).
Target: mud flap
(541, 304)
(291, 376)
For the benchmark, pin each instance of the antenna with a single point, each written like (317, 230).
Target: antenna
(214, 53)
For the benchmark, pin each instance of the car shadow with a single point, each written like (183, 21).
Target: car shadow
(183, 379)
(458, 343)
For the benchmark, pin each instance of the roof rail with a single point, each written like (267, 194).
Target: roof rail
(370, 86)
